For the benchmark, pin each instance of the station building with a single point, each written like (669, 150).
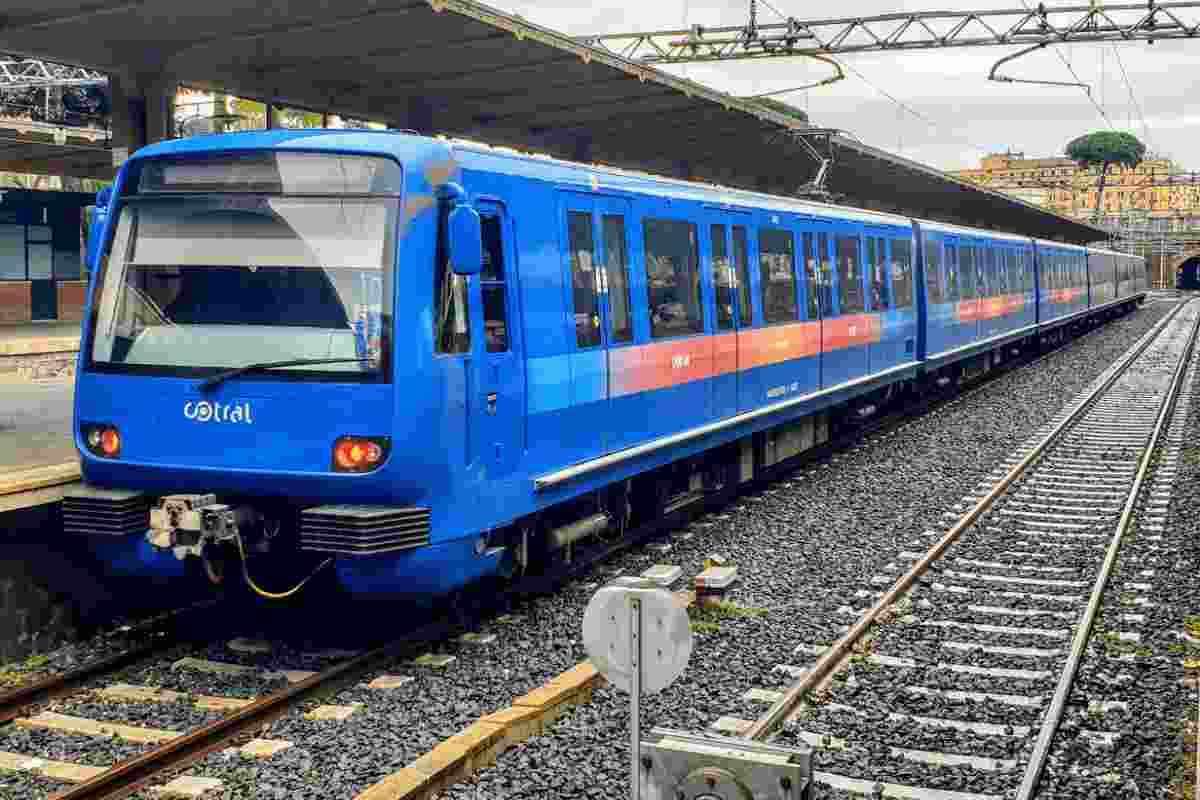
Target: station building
(42, 243)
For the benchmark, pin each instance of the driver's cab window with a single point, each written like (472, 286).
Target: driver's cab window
(451, 320)
(492, 285)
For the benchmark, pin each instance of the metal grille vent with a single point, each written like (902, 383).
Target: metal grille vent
(363, 530)
(106, 512)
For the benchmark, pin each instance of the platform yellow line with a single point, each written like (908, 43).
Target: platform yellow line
(38, 478)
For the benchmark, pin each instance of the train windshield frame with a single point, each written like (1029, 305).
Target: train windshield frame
(220, 263)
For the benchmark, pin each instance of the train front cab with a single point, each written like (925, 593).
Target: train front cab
(315, 248)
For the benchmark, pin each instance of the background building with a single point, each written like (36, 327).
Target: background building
(1156, 189)
(1152, 209)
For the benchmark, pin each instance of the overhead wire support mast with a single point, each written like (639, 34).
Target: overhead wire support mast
(925, 30)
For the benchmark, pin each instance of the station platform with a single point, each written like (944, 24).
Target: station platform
(35, 338)
(37, 454)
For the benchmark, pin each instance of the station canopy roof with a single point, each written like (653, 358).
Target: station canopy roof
(464, 69)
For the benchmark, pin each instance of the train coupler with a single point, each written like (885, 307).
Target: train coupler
(186, 523)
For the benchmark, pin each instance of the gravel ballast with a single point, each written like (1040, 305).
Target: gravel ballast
(803, 547)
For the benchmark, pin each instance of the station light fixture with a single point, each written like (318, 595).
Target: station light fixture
(359, 453)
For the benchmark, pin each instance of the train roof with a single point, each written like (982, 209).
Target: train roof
(946, 227)
(622, 179)
(413, 148)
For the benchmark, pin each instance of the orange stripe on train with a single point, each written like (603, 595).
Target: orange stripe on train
(663, 364)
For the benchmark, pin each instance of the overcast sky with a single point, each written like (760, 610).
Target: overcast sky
(967, 114)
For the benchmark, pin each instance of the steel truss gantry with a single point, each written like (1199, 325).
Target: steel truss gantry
(922, 30)
(28, 73)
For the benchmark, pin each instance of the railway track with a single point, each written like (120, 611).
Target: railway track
(972, 640)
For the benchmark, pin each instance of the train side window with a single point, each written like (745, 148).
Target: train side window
(825, 281)
(741, 263)
(811, 277)
(722, 278)
(451, 321)
(902, 283)
(673, 278)
(966, 273)
(877, 268)
(869, 264)
(983, 265)
(1027, 269)
(616, 272)
(850, 275)
(996, 259)
(581, 245)
(951, 295)
(934, 281)
(495, 294)
(777, 275)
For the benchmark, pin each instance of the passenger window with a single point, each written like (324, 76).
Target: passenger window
(825, 282)
(902, 283)
(966, 274)
(1027, 266)
(850, 289)
(495, 298)
(616, 271)
(777, 274)
(741, 263)
(451, 322)
(722, 278)
(811, 277)
(951, 273)
(877, 268)
(582, 248)
(673, 278)
(933, 269)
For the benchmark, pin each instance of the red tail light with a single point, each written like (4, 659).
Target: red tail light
(102, 439)
(359, 453)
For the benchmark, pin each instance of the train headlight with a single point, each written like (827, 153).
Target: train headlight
(102, 439)
(359, 453)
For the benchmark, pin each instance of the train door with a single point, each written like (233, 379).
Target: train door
(727, 268)
(846, 333)
(604, 372)
(887, 346)
(498, 407)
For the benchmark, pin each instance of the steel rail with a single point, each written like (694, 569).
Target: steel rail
(14, 701)
(831, 658)
(1062, 692)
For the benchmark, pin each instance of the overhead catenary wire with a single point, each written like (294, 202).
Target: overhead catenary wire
(1132, 97)
(1075, 75)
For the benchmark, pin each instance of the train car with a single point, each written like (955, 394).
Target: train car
(425, 362)
(1062, 271)
(980, 292)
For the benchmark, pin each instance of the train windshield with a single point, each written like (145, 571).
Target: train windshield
(268, 258)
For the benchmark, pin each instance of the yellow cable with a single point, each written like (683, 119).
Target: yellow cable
(274, 595)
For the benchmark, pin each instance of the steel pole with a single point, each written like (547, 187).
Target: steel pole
(635, 697)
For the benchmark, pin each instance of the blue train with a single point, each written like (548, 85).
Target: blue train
(420, 362)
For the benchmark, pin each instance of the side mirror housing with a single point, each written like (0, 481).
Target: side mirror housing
(103, 197)
(464, 240)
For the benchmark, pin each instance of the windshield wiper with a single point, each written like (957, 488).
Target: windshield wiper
(216, 380)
